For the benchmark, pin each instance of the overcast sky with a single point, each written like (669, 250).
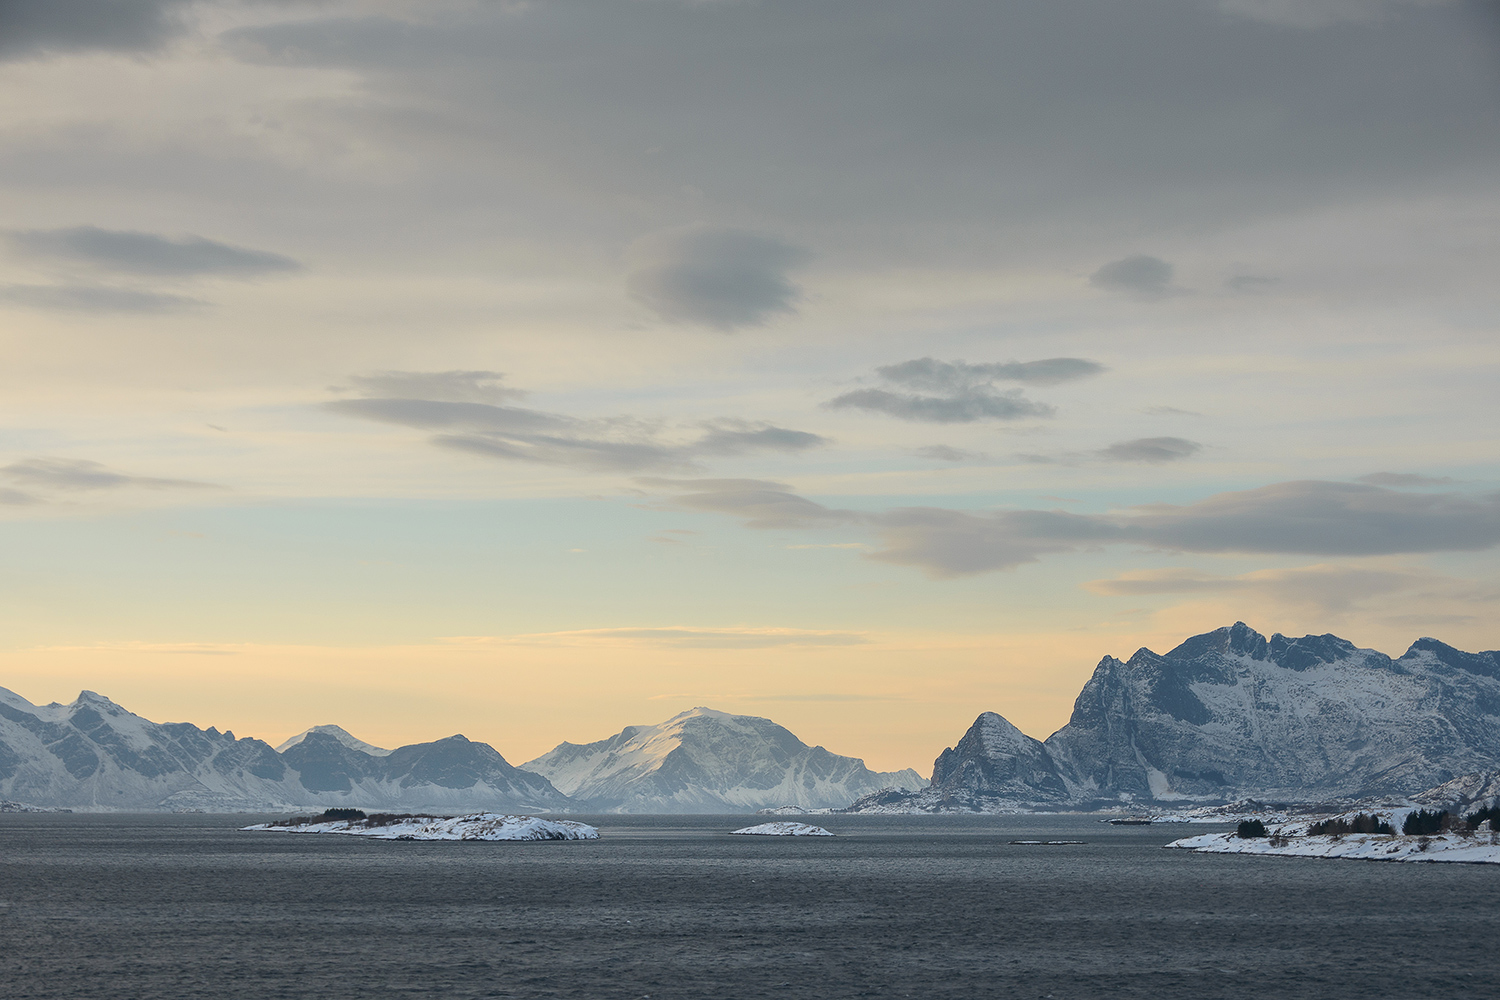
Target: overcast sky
(534, 369)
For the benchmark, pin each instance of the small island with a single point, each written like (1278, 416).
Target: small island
(784, 829)
(1424, 836)
(408, 826)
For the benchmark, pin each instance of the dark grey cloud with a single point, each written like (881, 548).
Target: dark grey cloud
(737, 437)
(32, 26)
(1404, 479)
(131, 252)
(71, 475)
(1321, 518)
(1294, 518)
(515, 433)
(97, 299)
(951, 392)
(932, 375)
(1142, 276)
(1153, 449)
(16, 498)
(1169, 411)
(957, 114)
(450, 386)
(965, 406)
(722, 278)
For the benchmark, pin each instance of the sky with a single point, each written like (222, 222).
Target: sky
(534, 369)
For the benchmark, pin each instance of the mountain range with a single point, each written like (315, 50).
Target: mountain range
(1224, 716)
(93, 754)
(1229, 715)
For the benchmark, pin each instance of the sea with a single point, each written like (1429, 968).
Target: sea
(188, 906)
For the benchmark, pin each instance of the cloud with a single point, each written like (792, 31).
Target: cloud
(1404, 479)
(1169, 411)
(932, 375)
(758, 502)
(96, 299)
(1155, 449)
(737, 437)
(949, 543)
(944, 453)
(965, 406)
(1330, 588)
(1142, 276)
(71, 475)
(515, 433)
(678, 636)
(951, 392)
(721, 278)
(1251, 283)
(1294, 518)
(129, 252)
(30, 26)
(1321, 13)
(451, 386)
(1320, 518)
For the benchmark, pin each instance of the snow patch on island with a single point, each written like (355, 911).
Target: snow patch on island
(477, 826)
(785, 829)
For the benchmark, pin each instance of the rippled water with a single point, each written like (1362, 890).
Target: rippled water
(667, 907)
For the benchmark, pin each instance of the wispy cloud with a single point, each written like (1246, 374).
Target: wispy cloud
(949, 392)
(449, 403)
(1305, 517)
(73, 475)
(736, 637)
(97, 299)
(130, 252)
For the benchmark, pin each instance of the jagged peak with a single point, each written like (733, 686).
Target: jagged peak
(1239, 639)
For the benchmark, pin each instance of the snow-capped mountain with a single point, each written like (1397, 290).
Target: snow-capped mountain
(93, 754)
(1231, 714)
(708, 761)
(339, 733)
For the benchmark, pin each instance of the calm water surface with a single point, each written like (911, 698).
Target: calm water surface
(157, 907)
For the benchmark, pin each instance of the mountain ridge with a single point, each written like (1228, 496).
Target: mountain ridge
(1233, 714)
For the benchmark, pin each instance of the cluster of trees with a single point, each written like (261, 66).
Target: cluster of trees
(342, 814)
(1363, 823)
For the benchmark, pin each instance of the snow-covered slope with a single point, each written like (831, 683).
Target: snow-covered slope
(339, 733)
(1231, 714)
(93, 754)
(708, 761)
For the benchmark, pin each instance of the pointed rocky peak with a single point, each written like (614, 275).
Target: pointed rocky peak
(1238, 639)
(999, 737)
(96, 701)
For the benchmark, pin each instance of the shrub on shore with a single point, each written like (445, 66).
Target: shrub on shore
(1250, 829)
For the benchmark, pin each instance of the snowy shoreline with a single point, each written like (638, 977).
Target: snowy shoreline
(1443, 847)
(476, 826)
